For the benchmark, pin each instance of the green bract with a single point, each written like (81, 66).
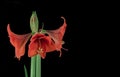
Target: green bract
(34, 22)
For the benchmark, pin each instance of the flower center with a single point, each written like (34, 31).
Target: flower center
(40, 50)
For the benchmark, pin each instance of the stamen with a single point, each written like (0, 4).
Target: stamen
(60, 53)
(65, 49)
(63, 42)
(40, 50)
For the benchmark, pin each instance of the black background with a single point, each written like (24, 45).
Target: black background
(76, 62)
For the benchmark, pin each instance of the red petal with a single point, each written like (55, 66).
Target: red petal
(33, 47)
(40, 41)
(57, 35)
(50, 46)
(47, 45)
(18, 41)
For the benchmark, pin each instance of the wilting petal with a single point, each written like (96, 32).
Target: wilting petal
(57, 35)
(18, 41)
(40, 44)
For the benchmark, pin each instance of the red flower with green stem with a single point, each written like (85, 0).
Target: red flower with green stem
(40, 43)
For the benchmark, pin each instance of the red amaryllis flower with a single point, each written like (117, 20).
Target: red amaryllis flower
(40, 43)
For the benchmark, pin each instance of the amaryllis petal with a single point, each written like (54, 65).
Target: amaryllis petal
(40, 44)
(57, 35)
(33, 46)
(18, 41)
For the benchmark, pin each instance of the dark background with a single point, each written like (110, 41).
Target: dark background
(76, 62)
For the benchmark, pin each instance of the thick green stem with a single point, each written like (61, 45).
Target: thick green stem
(38, 66)
(33, 65)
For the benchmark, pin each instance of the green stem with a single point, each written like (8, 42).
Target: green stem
(33, 65)
(38, 66)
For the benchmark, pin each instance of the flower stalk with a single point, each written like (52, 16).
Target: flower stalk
(33, 65)
(38, 66)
